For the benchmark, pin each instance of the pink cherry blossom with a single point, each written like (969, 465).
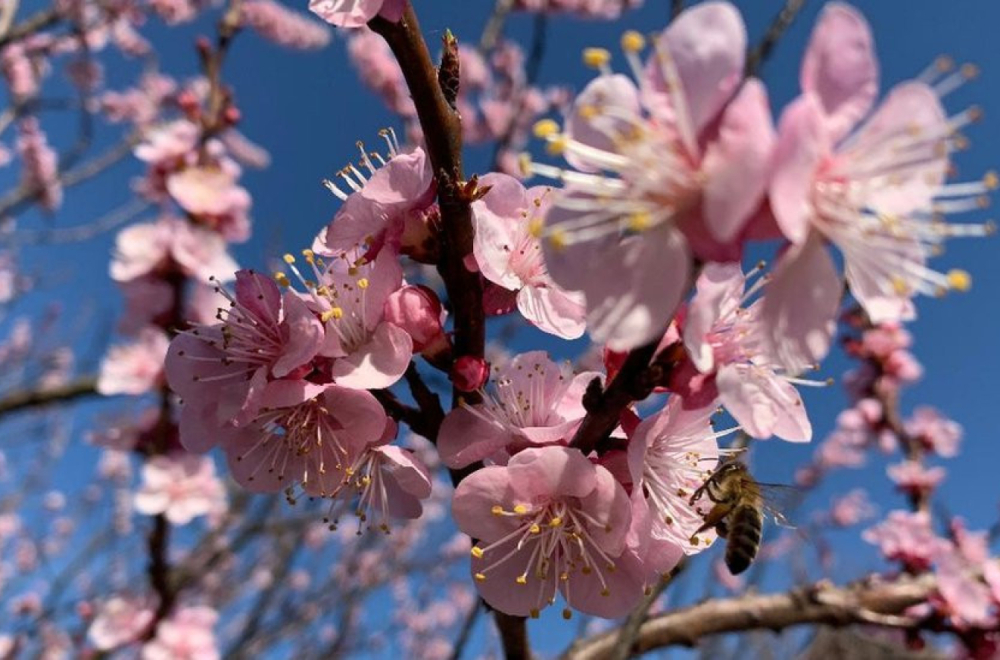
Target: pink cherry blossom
(588, 8)
(533, 401)
(154, 247)
(729, 341)
(134, 368)
(165, 144)
(670, 455)
(181, 487)
(689, 169)
(186, 635)
(355, 13)
(389, 205)
(382, 482)
(961, 594)
(851, 508)
(285, 27)
(548, 521)
(914, 478)
(212, 195)
(876, 193)
(510, 256)
(908, 538)
(303, 434)
(349, 296)
(220, 370)
(934, 431)
(469, 373)
(41, 163)
(120, 620)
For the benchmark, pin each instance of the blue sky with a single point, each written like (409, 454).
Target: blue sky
(309, 109)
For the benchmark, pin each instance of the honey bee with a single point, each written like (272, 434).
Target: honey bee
(739, 505)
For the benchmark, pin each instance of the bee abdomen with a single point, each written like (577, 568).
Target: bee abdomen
(745, 524)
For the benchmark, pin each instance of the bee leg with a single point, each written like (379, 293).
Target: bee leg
(714, 518)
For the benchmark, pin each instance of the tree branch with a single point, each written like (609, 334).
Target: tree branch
(878, 603)
(28, 399)
(759, 54)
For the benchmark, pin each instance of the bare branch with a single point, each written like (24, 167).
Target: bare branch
(31, 25)
(759, 54)
(872, 602)
(26, 400)
(494, 26)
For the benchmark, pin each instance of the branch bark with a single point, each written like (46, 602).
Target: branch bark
(29, 399)
(878, 603)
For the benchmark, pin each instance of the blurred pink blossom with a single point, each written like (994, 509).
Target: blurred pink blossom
(181, 487)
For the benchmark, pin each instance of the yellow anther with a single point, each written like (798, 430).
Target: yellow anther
(535, 529)
(557, 239)
(352, 271)
(520, 509)
(363, 283)
(587, 111)
(497, 510)
(567, 613)
(970, 71)
(556, 146)
(522, 578)
(944, 63)
(989, 228)
(605, 591)
(323, 291)
(289, 259)
(959, 280)
(333, 313)
(545, 128)
(524, 164)
(975, 113)
(639, 221)
(477, 552)
(633, 42)
(480, 577)
(309, 255)
(900, 286)
(535, 227)
(555, 522)
(596, 58)
(534, 613)
(991, 180)
(282, 279)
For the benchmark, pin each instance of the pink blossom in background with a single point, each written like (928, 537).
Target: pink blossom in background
(355, 13)
(588, 8)
(876, 193)
(907, 538)
(187, 635)
(533, 402)
(670, 454)
(510, 256)
(915, 479)
(379, 71)
(689, 170)
(725, 339)
(18, 70)
(164, 145)
(283, 26)
(934, 431)
(175, 11)
(245, 151)
(40, 163)
(120, 620)
(549, 521)
(180, 486)
(851, 508)
(134, 368)
(151, 248)
(140, 105)
(214, 197)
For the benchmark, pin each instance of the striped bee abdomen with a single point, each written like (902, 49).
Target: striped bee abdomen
(743, 541)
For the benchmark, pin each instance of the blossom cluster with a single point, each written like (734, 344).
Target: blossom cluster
(669, 174)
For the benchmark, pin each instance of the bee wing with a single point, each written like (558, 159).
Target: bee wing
(779, 501)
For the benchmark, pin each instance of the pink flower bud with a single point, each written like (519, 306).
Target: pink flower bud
(417, 310)
(469, 374)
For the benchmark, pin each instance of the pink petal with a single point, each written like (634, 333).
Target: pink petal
(802, 145)
(288, 393)
(357, 222)
(393, 10)
(254, 471)
(405, 179)
(551, 472)
(840, 67)
(348, 13)
(259, 295)
(360, 416)
(608, 505)
(707, 46)
(596, 116)
(408, 472)
(634, 294)
(476, 495)
(718, 291)
(385, 276)
(553, 310)
(800, 307)
(737, 164)
(303, 333)
(378, 363)
(495, 218)
(763, 403)
(625, 587)
(465, 438)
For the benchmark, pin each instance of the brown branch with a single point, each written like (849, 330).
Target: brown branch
(159, 572)
(31, 25)
(26, 400)
(494, 26)
(465, 632)
(443, 136)
(629, 631)
(877, 603)
(759, 53)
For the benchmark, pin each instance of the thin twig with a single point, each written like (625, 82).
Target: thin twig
(466, 630)
(494, 26)
(759, 53)
(19, 401)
